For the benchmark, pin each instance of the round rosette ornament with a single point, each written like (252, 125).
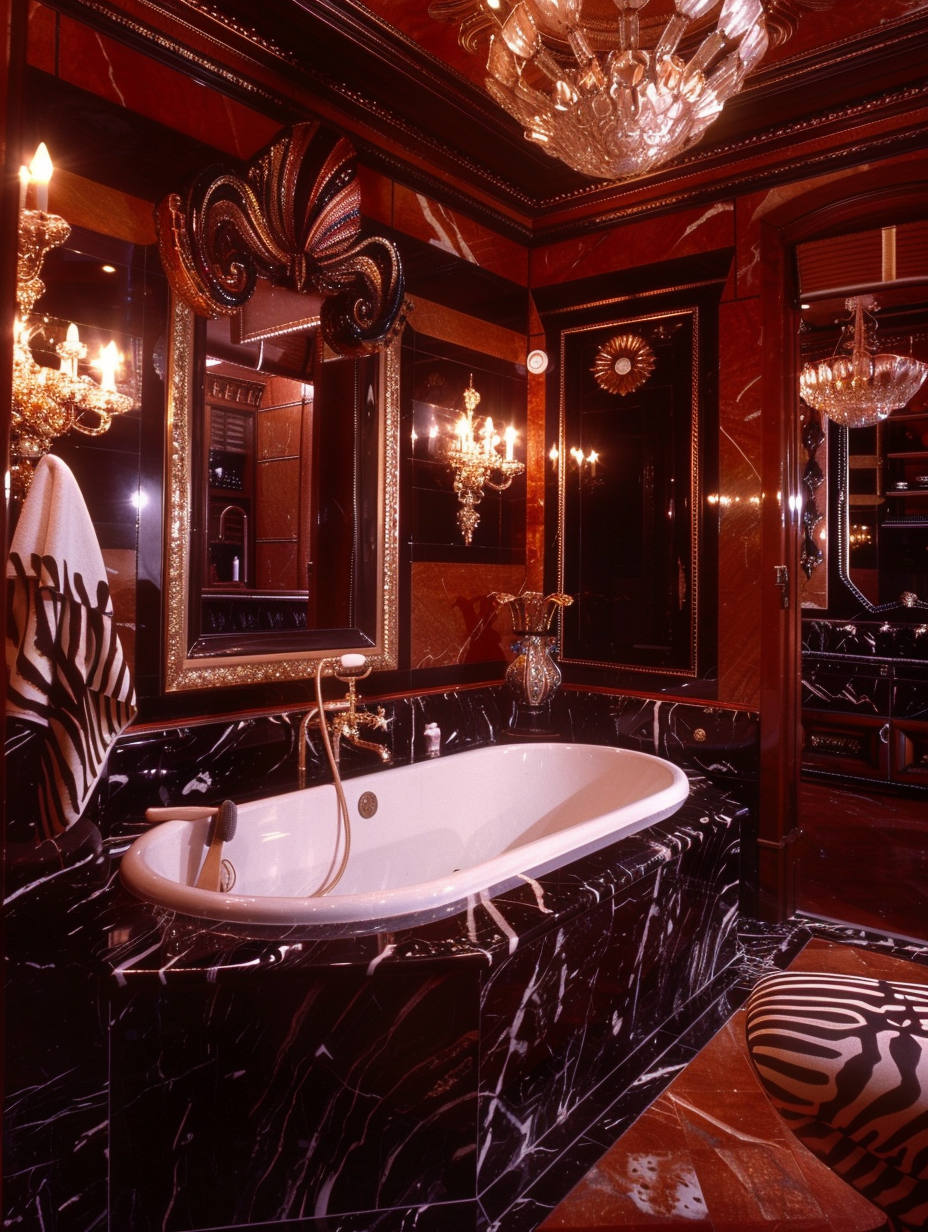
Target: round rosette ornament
(623, 364)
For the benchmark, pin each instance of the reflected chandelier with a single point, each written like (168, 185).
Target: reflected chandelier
(617, 113)
(859, 385)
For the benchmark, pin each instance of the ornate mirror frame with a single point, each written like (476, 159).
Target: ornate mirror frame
(187, 670)
(278, 249)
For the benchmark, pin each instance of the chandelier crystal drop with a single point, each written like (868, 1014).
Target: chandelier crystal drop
(617, 113)
(859, 386)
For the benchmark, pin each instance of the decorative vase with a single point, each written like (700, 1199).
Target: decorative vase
(533, 676)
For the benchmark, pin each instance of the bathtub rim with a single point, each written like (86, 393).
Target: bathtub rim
(340, 916)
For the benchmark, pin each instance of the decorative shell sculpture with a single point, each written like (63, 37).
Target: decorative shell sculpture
(623, 364)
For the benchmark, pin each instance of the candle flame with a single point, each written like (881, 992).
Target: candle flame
(40, 169)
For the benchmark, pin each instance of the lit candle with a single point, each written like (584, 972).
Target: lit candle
(24, 178)
(71, 350)
(487, 435)
(461, 432)
(40, 169)
(510, 438)
(109, 361)
(593, 459)
(554, 454)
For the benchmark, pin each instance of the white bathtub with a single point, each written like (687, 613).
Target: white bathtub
(444, 831)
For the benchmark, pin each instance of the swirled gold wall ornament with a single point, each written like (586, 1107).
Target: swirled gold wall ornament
(294, 218)
(623, 364)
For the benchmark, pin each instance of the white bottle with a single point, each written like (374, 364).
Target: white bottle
(235, 568)
(432, 735)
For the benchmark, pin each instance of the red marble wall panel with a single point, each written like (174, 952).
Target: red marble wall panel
(739, 500)
(466, 331)
(454, 619)
(276, 566)
(636, 244)
(277, 497)
(279, 430)
(418, 215)
(41, 37)
(864, 858)
(115, 72)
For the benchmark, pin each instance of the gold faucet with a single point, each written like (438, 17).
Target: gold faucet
(346, 724)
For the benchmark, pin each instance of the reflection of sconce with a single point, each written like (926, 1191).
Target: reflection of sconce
(579, 459)
(47, 403)
(475, 462)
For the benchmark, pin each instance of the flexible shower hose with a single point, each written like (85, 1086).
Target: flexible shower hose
(330, 882)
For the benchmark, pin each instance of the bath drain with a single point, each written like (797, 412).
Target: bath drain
(367, 804)
(226, 877)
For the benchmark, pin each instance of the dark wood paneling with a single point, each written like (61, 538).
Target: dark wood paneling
(864, 858)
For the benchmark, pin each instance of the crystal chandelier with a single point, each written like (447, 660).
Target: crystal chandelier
(859, 385)
(474, 457)
(617, 113)
(49, 402)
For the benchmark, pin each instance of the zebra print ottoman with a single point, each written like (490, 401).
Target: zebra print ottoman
(844, 1059)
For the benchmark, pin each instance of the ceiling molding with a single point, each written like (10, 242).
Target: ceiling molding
(440, 134)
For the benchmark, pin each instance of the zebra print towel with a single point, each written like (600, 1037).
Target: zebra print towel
(844, 1059)
(66, 670)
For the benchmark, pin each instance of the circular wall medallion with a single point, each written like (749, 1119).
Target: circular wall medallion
(537, 361)
(623, 363)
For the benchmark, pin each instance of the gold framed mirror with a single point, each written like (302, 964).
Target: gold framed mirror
(281, 518)
(197, 654)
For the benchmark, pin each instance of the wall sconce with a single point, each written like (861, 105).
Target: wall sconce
(48, 403)
(475, 459)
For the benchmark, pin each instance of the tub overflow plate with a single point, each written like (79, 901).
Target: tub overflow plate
(367, 804)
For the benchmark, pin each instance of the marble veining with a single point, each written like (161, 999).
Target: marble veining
(427, 1079)
(373, 1074)
(864, 638)
(855, 688)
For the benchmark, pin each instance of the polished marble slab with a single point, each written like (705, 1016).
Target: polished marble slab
(182, 1052)
(865, 638)
(316, 1081)
(712, 1152)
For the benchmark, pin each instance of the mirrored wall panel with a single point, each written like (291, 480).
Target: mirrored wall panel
(628, 465)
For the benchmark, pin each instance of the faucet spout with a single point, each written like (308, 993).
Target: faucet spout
(346, 724)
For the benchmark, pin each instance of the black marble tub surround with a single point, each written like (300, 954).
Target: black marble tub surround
(436, 1072)
(865, 638)
(255, 755)
(123, 1017)
(865, 703)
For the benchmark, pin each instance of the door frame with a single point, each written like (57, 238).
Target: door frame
(875, 196)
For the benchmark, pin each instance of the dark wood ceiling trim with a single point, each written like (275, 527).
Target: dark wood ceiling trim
(210, 44)
(470, 189)
(726, 165)
(716, 188)
(903, 37)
